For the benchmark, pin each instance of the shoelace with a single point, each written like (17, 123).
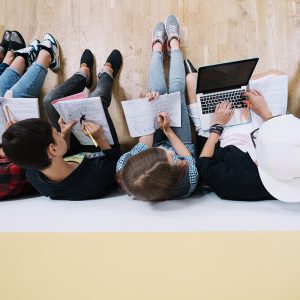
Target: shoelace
(159, 35)
(173, 30)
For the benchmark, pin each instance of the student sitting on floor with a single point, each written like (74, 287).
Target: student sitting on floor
(231, 171)
(161, 166)
(36, 145)
(37, 57)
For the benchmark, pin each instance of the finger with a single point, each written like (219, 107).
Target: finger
(232, 112)
(259, 92)
(254, 92)
(156, 95)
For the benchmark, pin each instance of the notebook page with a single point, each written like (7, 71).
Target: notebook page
(22, 108)
(88, 109)
(169, 103)
(139, 116)
(275, 91)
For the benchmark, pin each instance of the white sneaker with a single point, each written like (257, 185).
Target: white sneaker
(50, 44)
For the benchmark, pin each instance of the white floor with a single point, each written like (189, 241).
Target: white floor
(120, 213)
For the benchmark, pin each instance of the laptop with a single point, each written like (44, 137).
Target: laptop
(226, 81)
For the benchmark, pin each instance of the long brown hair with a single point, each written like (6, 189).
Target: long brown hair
(149, 176)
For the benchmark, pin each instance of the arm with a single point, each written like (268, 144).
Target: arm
(164, 123)
(222, 115)
(258, 104)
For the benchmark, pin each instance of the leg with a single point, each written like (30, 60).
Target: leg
(104, 91)
(73, 85)
(156, 79)
(29, 86)
(12, 75)
(268, 73)
(177, 84)
(7, 61)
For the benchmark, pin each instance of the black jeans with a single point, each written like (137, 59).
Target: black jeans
(74, 85)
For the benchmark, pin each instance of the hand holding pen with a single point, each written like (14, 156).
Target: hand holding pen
(257, 103)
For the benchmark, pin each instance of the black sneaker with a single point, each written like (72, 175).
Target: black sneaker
(5, 41)
(115, 59)
(16, 41)
(87, 58)
(189, 68)
(29, 53)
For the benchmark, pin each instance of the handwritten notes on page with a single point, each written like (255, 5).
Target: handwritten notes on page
(85, 109)
(17, 109)
(141, 114)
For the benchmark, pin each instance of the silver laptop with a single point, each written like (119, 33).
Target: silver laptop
(227, 81)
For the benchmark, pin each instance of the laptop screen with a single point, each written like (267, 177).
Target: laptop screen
(225, 76)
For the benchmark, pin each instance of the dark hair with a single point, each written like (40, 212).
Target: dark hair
(149, 176)
(25, 143)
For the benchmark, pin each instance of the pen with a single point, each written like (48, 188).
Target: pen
(247, 110)
(93, 140)
(163, 126)
(8, 113)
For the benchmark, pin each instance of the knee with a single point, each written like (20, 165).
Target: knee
(177, 86)
(48, 99)
(160, 88)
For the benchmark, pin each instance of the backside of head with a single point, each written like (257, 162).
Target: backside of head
(149, 176)
(26, 142)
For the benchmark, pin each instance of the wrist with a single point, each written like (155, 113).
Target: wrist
(168, 131)
(217, 129)
(268, 115)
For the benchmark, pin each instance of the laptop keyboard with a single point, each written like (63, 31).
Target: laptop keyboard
(209, 102)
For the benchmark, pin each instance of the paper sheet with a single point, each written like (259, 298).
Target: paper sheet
(141, 114)
(275, 91)
(89, 109)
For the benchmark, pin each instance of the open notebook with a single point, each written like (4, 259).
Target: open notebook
(140, 114)
(78, 107)
(17, 109)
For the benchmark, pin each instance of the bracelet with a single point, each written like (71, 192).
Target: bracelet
(216, 128)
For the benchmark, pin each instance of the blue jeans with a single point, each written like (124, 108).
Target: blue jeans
(3, 67)
(157, 83)
(27, 86)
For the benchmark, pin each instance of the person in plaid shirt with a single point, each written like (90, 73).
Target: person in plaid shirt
(162, 165)
(14, 61)
(13, 182)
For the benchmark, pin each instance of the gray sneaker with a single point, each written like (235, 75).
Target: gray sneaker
(172, 29)
(50, 44)
(159, 34)
(29, 53)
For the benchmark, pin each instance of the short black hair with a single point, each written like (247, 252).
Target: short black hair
(25, 143)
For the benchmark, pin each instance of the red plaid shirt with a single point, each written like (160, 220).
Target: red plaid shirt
(13, 182)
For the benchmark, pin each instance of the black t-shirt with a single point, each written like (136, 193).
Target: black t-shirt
(91, 179)
(232, 174)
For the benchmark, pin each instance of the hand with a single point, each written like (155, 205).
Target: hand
(163, 121)
(152, 95)
(65, 128)
(95, 130)
(223, 113)
(258, 104)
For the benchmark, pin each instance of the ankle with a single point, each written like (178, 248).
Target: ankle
(157, 46)
(174, 44)
(85, 69)
(9, 57)
(44, 58)
(108, 68)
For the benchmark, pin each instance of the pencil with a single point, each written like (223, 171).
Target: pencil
(93, 140)
(8, 113)
(163, 126)
(247, 110)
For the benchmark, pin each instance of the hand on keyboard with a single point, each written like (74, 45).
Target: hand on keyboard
(223, 113)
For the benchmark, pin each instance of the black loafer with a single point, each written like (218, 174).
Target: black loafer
(189, 68)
